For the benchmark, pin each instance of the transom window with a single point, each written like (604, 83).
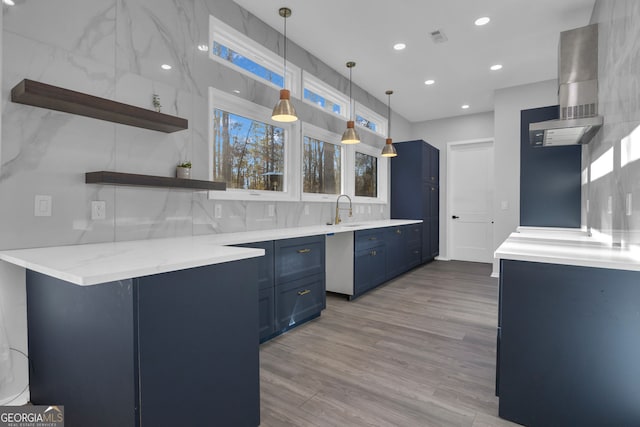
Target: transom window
(236, 50)
(247, 154)
(245, 63)
(370, 120)
(323, 96)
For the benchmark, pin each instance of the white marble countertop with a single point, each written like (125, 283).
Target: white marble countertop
(91, 264)
(568, 248)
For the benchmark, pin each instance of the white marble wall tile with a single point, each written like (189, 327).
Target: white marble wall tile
(84, 27)
(155, 32)
(47, 152)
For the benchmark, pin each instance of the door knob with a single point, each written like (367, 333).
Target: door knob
(455, 216)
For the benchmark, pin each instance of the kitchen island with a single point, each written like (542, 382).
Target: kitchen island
(153, 332)
(568, 331)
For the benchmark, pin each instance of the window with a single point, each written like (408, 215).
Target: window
(323, 96)
(366, 172)
(236, 50)
(368, 177)
(247, 154)
(367, 119)
(322, 160)
(234, 57)
(252, 154)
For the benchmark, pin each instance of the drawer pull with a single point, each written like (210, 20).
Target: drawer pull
(373, 238)
(306, 291)
(304, 251)
(373, 253)
(398, 231)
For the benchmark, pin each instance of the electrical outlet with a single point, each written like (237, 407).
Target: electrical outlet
(381, 209)
(272, 210)
(628, 205)
(42, 205)
(217, 210)
(306, 209)
(504, 205)
(610, 205)
(98, 209)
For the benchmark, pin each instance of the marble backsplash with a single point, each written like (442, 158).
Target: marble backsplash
(114, 49)
(619, 104)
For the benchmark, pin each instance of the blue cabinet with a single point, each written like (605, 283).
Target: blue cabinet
(291, 283)
(167, 349)
(300, 287)
(415, 191)
(369, 269)
(266, 295)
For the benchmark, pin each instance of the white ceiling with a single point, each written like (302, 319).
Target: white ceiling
(522, 36)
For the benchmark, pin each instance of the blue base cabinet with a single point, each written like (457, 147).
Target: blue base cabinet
(415, 191)
(299, 280)
(569, 345)
(384, 253)
(292, 285)
(266, 286)
(177, 348)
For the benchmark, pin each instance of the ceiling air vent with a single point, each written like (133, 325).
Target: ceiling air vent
(438, 36)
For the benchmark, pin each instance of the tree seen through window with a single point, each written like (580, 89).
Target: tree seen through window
(366, 175)
(321, 167)
(247, 154)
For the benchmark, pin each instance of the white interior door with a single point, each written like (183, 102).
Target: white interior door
(471, 201)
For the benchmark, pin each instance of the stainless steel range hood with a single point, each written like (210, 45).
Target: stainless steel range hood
(577, 92)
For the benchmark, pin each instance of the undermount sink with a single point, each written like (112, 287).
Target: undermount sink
(350, 225)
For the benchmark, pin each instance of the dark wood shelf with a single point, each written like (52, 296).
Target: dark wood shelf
(120, 178)
(38, 94)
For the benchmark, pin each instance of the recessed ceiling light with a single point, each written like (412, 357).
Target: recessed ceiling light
(9, 2)
(465, 107)
(429, 82)
(496, 67)
(399, 46)
(203, 47)
(482, 21)
(165, 66)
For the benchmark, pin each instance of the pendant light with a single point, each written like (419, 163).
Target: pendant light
(284, 111)
(389, 150)
(350, 136)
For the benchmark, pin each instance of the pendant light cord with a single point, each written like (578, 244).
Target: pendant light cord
(389, 117)
(284, 78)
(350, 96)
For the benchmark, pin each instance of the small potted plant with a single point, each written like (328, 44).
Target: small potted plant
(156, 102)
(183, 170)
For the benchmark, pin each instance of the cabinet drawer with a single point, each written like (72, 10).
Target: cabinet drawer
(365, 239)
(414, 235)
(300, 257)
(414, 257)
(299, 300)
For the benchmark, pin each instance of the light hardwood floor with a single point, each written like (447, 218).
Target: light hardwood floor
(418, 351)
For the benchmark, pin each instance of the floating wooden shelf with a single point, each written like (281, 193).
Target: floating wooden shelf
(56, 98)
(119, 178)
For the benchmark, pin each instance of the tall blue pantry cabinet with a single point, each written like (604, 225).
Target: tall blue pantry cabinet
(415, 190)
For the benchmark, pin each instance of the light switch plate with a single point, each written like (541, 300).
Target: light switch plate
(272, 210)
(306, 209)
(504, 205)
(628, 205)
(610, 205)
(98, 209)
(217, 210)
(42, 205)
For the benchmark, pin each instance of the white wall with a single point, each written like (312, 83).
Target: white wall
(443, 131)
(508, 104)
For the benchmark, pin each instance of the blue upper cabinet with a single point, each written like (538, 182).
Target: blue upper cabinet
(415, 190)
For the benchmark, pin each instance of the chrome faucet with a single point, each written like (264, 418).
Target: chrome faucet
(337, 219)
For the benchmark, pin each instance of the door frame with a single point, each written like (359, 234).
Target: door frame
(448, 223)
